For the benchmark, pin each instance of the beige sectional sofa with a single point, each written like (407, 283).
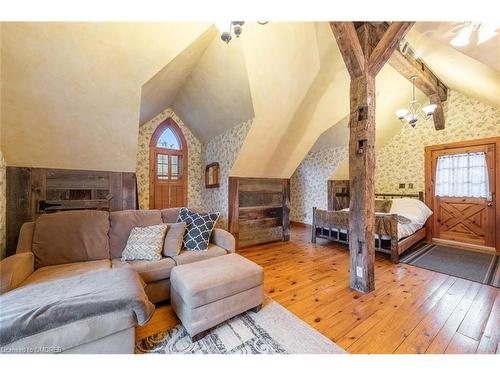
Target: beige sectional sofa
(65, 244)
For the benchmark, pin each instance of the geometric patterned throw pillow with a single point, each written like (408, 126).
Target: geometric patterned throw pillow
(198, 228)
(145, 243)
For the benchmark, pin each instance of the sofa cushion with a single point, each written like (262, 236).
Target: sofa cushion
(145, 243)
(173, 239)
(71, 236)
(199, 228)
(200, 283)
(122, 222)
(188, 256)
(148, 270)
(65, 270)
(169, 215)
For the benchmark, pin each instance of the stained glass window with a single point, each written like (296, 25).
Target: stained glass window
(168, 139)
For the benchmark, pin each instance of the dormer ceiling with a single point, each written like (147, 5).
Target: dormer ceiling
(96, 82)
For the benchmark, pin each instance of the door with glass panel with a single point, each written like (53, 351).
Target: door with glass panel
(463, 192)
(168, 167)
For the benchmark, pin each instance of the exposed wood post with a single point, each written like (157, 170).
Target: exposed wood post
(438, 114)
(375, 50)
(362, 173)
(285, 220)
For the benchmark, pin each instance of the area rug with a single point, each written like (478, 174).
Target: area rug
(465, 264)
(272, 330)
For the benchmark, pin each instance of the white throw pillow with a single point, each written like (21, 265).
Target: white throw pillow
(145, 243)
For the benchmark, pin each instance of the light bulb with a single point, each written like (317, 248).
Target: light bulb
(401, 113)
(485, 33)
(429, 109)
(463, 37)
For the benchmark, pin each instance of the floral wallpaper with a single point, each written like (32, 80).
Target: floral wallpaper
(3, 208)
(223, 149)
(401, 160)
(195, 167)
(308, 184)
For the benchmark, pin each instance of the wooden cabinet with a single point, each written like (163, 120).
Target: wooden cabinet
(259, 210)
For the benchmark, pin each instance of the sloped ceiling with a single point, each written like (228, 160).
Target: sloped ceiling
(71, 91)
(159, 92)
(487, 52)
(216, 95)
(459, 71)
(282, 61)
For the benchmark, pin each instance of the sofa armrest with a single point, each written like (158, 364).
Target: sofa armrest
(15, 269)
(25, 240)
(224, 239)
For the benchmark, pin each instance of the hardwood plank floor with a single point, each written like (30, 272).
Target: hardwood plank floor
(412, 310)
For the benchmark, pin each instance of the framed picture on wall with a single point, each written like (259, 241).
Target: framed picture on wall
(212, 175)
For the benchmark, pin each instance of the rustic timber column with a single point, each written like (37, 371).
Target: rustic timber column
(362, 173)
(364, 50)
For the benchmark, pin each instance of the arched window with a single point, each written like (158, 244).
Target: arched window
(168, 139)
(168, 167)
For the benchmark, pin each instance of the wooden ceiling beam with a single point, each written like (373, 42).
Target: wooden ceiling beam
(409, 66)
(388, 43)
(350, 47)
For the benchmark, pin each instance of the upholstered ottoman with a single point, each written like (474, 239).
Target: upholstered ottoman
(207, 293)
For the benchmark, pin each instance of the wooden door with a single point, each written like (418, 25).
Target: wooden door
(168, 167)
(466, 219)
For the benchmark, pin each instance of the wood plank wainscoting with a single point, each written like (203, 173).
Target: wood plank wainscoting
(259, 210)
(33, 191)
(412, 310)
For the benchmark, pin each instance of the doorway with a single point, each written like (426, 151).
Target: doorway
(461, 181)
(168, 167)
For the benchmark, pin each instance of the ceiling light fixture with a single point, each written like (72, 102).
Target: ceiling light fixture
(227, 28)
(472, 33)
(415, 110)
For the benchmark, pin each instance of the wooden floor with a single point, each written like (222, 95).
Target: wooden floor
(412, 310)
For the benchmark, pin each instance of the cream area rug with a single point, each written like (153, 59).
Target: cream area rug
(272, 330)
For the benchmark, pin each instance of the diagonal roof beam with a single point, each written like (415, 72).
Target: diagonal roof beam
(387, 45)
(350, 47)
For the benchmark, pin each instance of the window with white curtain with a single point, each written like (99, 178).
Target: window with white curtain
(462, 175)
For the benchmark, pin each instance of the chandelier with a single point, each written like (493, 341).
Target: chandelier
(227, 28)
(415, 111)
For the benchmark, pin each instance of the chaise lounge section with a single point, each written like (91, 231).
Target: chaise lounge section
(64, 245)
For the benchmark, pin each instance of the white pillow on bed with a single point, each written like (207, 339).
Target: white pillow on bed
(412, 209)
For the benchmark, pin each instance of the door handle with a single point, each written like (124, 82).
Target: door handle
(490, 204)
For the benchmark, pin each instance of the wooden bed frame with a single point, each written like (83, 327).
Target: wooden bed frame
(393, 247)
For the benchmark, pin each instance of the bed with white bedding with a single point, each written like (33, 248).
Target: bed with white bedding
(396, 228)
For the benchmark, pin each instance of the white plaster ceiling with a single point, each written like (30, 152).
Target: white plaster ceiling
(216, 95)
(159, 92)
(71, 92)
(487, 52)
